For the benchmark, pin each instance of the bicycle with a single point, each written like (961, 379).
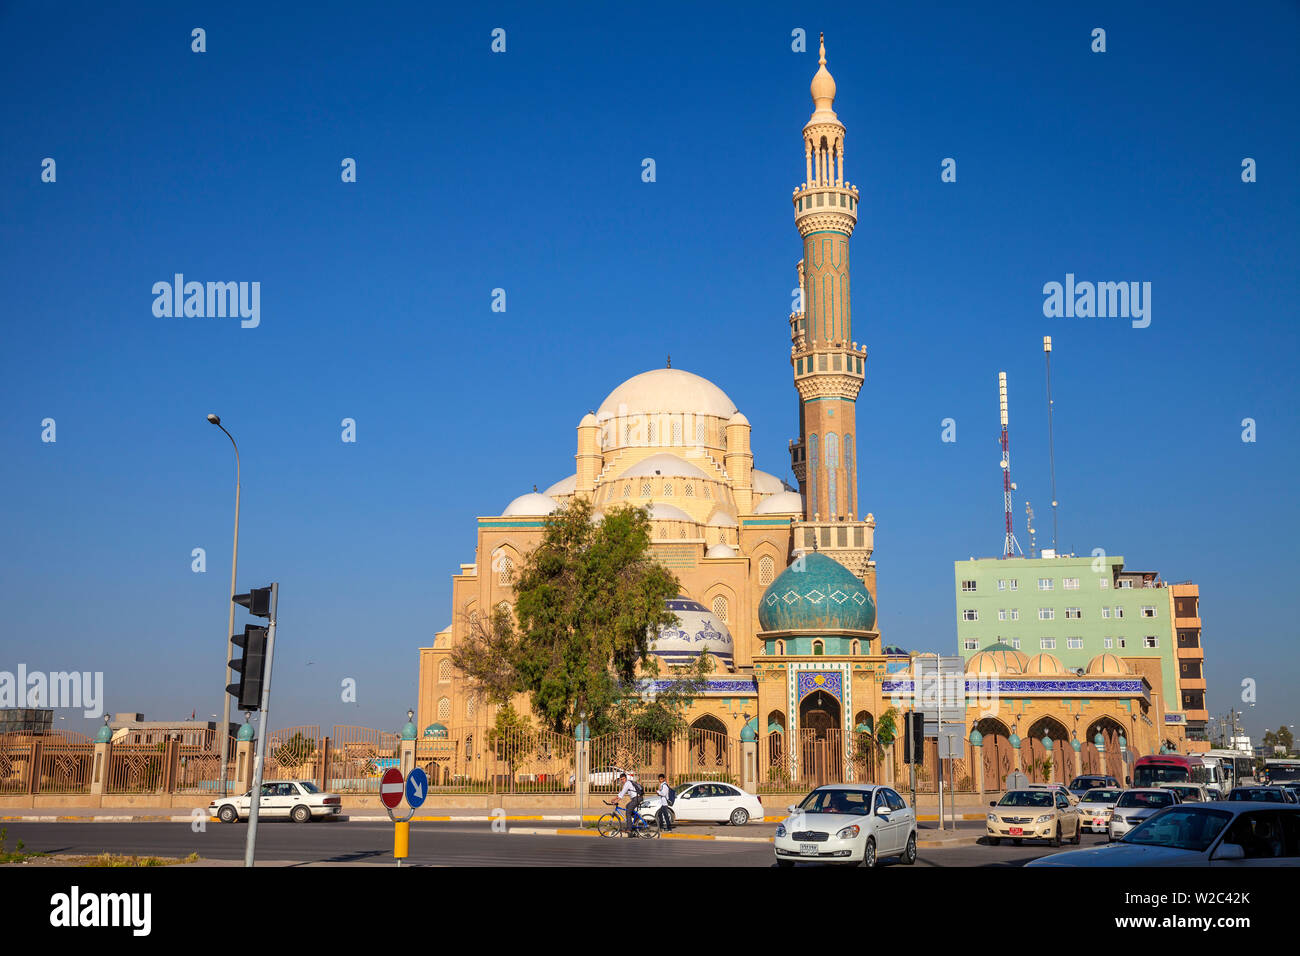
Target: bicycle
(617, 822)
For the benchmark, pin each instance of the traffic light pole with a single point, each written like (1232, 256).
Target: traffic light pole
(263, 729)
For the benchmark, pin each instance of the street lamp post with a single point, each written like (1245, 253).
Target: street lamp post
(224, 729)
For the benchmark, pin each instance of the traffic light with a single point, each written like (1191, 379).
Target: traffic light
(913, 737)
(250, 667)
(258, 601)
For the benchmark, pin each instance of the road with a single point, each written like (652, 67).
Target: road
(447, 844)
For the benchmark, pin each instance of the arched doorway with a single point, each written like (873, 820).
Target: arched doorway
(821, 739)
(1035, 752)
(775, 754)
(996, 752)
(1109, 761)
(864, 746)
(710, 748)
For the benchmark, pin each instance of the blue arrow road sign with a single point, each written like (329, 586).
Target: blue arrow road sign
(417, 788)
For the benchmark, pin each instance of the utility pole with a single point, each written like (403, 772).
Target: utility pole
(263, 730)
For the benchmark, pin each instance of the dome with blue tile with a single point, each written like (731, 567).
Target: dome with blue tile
(697, 630)
(817, 593)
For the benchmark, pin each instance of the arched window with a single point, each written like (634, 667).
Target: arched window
(627, 489)
(813, 461)
(444, 708)
(848, 462)
(701, 431)
(690, 489)
(819, 649)
(470, 703)
(832, 467)
(504, 606)
(444, 672)
(683, 531)
(765, 568)
(505, 570)
(708, 490)
(856, 647)
(645, 488)
(780, 647)
(627, 434)
(677, 433)
(668, 489)
(650, 432)
(720, 608)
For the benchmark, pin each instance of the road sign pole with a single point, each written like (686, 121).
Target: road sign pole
(938, 674)
(264, 729)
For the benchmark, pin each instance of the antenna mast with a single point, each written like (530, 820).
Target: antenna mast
(1051, 448)
(1010, 545)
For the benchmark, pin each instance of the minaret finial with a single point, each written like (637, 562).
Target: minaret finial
(670, 361)
(822, 39)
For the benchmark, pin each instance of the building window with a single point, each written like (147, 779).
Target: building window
(855, 647)
(1119, 612)
(832, 471)
(1047, 644)
(1070, 584)
(780, 647)
(1045, 584)
(444, 671)
(765, 566)
(627, 490)
(1015, 614)
(720, 608)
(645, 489)
(650, 433)
(1108, 642)
(968, 585)
(1014, 584)
(701, 432)
(970, 644)
(819, 649)
(1015, 642)
(1103, 583)
(1150, 641)
(506, 571)
(1123, 642)
(970, 614)
(1148, 612)
(1002, 614)
(1125, 583)
(470, 702)
(812, 475)
(668, 489)
(504, 607)
(677, 433)
(1002, 584)
(1073, 614)
(1047, 613)
(1074, 643)
(690, 489)
(1105, 612)
(444, 708)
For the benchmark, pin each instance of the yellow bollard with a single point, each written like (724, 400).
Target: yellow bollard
(401, 840)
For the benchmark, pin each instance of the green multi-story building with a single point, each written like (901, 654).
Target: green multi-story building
(1073, 609)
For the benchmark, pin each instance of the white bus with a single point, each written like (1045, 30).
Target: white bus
(1282, 770)
(1237, 769)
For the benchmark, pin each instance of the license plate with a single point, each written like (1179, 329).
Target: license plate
(808, 849)
(1016, 831)
(1099, 821)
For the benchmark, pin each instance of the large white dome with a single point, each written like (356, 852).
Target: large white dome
(530, 505)
(781, 503)
(666, 390)
(697, 630)
(767, 484)
(669, 466)
(565, 486)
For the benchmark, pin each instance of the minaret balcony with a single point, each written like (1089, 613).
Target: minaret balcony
(825, 371)
(848, 542)
(825, 206)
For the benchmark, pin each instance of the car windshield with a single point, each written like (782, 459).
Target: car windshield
(857, 802)
(1260, 795)
(1182, 828)
(1145, 799)
(1101, 796)
(1027, 798)
(309, 786)
(1084, 783)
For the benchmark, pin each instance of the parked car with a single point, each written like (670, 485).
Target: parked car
(1188, 792)
(1055, 788)
(708, 801)
(1081, 785)
(847, 823)
(1134, 806)
(296, 800)
(1258, 794)
(1218, 834)
(1095, 808)
(1292, 789)
(605, 776)
(1042, 813)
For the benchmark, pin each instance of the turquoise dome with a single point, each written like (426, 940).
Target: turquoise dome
(817, 593)
(104, 735)
(246, 732)
(435, 730)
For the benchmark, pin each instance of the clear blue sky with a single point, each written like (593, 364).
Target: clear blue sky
(522, 171)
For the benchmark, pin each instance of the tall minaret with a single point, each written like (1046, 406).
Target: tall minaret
(827, 364)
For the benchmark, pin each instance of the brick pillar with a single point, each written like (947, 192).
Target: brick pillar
(407, 756)
(323, 777)
(750, 759)
(99, 770)
(244, 754)
(34, 769)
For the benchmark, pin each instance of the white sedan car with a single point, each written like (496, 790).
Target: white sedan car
(1136, 805)
(1215, 834)
(1095, 808)
(847, 823)
(707, 801)
(296, 800)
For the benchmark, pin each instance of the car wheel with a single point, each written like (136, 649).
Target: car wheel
(869, 854)
(784, 863)
(909, 854)
(1018, 842)
(1078, 836)
(228, 814)
(994, 841)
(739, 817)
(1056, 838)
(301, 814)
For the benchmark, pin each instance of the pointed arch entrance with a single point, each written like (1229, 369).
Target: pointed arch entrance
(821, 738)
(996, 752)
(710, 748)
(1107, 760)
(1036, 752)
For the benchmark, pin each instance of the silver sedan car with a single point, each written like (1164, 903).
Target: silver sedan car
(1134, 806)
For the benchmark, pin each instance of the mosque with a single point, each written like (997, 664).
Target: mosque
(778, 582)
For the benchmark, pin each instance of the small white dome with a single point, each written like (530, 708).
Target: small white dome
(666, 390)
(781, 503)
(530, 505)
(767, 484)
(738, 419)
(720, 519)
(564, 486)
(697, 631)
(662, 512)
(720, 550)
(665, 465)
(588, 421)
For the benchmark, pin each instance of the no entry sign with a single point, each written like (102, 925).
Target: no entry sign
(391, 788)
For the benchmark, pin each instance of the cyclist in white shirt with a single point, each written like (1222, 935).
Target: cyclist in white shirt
(632, 792)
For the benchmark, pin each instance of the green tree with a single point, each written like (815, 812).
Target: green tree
(587, 599)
